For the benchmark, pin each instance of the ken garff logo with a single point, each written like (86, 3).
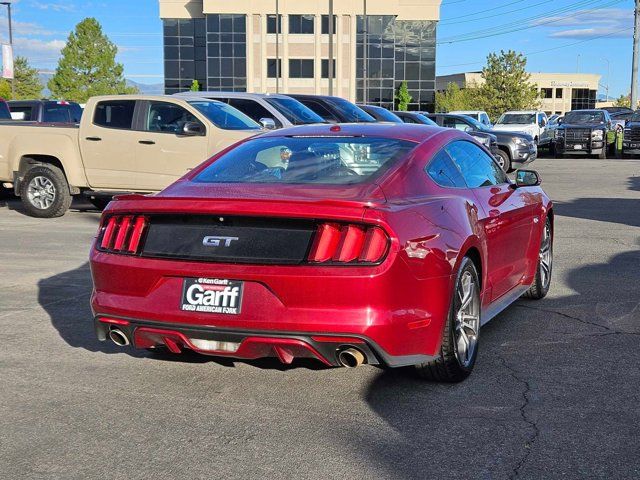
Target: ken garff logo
(214, 241)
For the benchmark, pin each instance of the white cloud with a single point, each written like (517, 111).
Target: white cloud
(613, 22)
(38, 51)
(55, 6)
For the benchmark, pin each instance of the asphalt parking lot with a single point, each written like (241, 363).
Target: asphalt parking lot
(554, 394)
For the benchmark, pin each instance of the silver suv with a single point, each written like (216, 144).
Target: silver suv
(270, 110)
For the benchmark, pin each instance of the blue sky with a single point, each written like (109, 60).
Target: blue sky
(557, 35)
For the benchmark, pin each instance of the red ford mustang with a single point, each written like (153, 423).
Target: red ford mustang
(388, 245)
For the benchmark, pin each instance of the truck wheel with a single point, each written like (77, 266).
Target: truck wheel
(504, 161)
(45, 192)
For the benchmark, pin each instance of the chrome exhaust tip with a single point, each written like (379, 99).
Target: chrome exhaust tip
(351, 357)
(118, 337)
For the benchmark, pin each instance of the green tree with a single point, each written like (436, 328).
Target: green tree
(623, 101)
(507, 85)
(195, 86)
(403, 98)
(456, 98)
(26, 82)
(88, 66)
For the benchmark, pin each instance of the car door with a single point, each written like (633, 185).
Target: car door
(506, 217)
(108, 145)
(163, 152)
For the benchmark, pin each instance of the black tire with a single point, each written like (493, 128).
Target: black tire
(100, 202)
(552, 149)
(505, 160)
(61, 197)
(540, 286)
(447, 367)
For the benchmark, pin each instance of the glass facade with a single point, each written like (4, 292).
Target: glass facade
(583, 98)
(184, 54)
(227, 52)
(396, 51)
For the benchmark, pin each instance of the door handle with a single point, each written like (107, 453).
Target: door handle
(93, 139)
(147, 142)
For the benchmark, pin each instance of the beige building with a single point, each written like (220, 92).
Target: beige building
(560, 92)
(238, 45)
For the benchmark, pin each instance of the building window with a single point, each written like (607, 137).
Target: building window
(325, 24)
(301, 24)
(185, 53)
(546, 92)
(227, 52)
(325, 68)
(558, 93)
(299, 68)
(271, 24)
(583, 98)
(271, 68)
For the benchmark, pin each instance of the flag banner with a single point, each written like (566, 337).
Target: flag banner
(7, 61)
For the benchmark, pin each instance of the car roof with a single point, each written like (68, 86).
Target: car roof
(309, 95)
(207, 94)
(402, 131)
(463, 112)
(523, 111)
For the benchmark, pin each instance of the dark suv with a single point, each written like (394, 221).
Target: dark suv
(631, 139)
(586, 132)
(514, 148)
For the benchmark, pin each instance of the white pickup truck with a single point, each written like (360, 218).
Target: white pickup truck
(124, 143)
(532, 122)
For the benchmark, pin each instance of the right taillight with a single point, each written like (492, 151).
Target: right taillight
(122, 234)
(350, 243)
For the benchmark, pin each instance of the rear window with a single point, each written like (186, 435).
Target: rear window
(308, 160)
(21, 112)
(61, 112)
(115, 114)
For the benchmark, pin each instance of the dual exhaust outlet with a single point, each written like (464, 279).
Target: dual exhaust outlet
(349, 357)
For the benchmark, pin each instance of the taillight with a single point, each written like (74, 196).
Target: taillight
(122, 233)
(351, 243)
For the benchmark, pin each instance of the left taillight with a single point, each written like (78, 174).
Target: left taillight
(336, 243)
(122, 234)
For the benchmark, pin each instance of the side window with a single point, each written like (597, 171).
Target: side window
(22, 113)
(455, 123)
(408, 119)
(252, 109)
(167, 117)
(485, 119)
(478, 169)
(320, 110)
(444, 172)
(114, 114)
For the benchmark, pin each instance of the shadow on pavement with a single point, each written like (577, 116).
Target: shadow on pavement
(66, 299)
(625, 211)
(634, 183)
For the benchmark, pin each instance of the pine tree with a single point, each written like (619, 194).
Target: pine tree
(195, 86)
(88, 66)
(403, 98)
(507, 84)
(26, 82)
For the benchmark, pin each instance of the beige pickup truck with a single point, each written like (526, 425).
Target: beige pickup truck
(124, 143)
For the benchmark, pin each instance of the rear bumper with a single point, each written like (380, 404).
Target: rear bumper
(245, 345)
(395, 317)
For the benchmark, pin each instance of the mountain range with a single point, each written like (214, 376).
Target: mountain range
(146, 88)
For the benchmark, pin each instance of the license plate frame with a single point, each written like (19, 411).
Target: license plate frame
(212, 295)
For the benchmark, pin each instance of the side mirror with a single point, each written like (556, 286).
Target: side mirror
(468, 129)
(193, 129)
(268, 123)
(560, 120)
(527, 178)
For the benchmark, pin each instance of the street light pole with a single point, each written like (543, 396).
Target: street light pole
(608, 76)
(277, 46)
(330, 69)
(364, 56)
(8, 4)
(634, 63)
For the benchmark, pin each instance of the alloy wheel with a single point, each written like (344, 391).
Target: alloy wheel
(546, 257)
(41, 192)
(467, 319)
